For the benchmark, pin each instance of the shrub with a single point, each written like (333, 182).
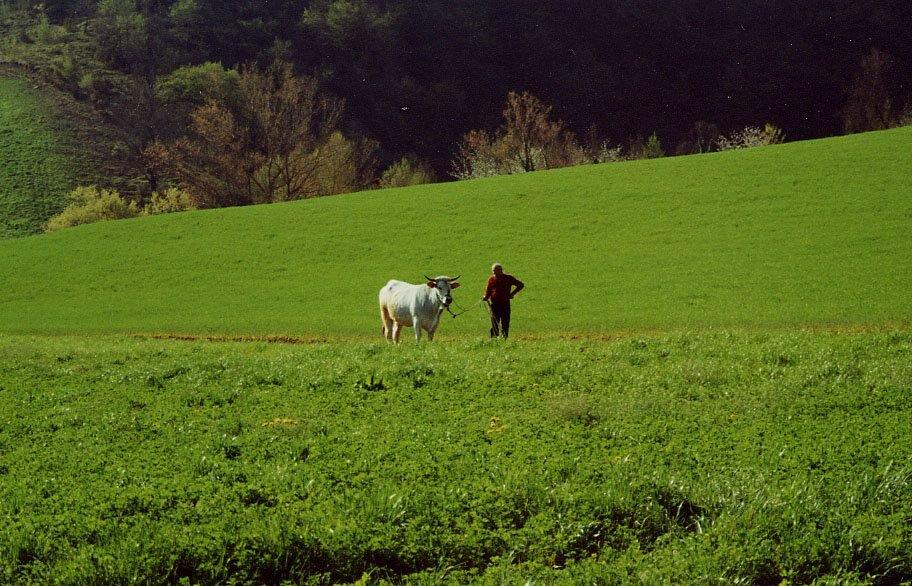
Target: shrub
(169, 201)
(46, 33)
(607, 153)
(406, 172)
(86, 82)
(101, 86)
(701, 138)
(749, 137)
(91, 204)
(67, 71)
(476, 157)
(652, 149)
(904, 118)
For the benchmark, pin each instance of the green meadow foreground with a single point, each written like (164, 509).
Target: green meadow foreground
(686, 457)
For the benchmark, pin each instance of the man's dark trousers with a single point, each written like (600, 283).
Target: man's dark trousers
(500, 319)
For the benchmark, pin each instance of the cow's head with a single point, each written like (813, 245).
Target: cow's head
(443, 286)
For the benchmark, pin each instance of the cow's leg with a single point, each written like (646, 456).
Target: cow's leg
(387, 323)
(418, 324)
(397, 329)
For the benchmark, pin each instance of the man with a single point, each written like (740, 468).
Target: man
(500, 290)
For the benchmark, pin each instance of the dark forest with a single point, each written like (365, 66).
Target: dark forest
(416, 75)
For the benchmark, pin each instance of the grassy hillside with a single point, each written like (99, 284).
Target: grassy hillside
(35, 175)
(50, 143)
(803, 233)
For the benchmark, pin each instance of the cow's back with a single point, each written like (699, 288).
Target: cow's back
(392, 290)
(401, 299)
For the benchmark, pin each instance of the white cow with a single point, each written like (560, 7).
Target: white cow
(419, 306)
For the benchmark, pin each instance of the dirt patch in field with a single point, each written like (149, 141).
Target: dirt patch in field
(273, 339)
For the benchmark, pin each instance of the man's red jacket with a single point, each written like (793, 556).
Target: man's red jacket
(499, 288)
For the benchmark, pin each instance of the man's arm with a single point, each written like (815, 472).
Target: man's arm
(488, 289)
(518, 287)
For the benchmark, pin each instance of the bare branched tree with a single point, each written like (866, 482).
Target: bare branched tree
(269, 149)
(528, 129)
(868, 106)
(528, 140)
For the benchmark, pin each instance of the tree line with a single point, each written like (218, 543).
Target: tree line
(416, 88)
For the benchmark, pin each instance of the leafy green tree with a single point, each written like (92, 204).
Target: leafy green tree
(342, 165)
(234, 32)
(59, 11)
(192, 86)
(133, 39)
(121, 34)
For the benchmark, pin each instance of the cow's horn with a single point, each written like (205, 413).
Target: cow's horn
(451, 279)
(429, 279)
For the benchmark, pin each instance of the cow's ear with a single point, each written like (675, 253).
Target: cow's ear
(454, 285)
(432, 284)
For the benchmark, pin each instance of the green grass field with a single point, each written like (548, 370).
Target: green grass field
(811, 233)
(688, 458)
(710, 381)
(34, 175)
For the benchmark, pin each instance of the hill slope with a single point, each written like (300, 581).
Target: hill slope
(49, 143)
(34, 174)
(804, 233)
